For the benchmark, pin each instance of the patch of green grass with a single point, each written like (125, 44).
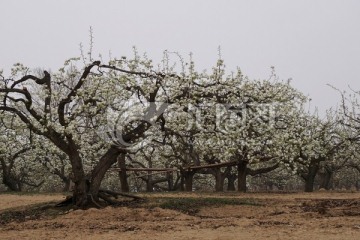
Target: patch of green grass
(193, 205)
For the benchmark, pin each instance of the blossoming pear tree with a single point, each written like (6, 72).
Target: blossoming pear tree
(87, 113)
(130, 111)
(231, 118)
(321, 142)
(73, 117)
(18, 166)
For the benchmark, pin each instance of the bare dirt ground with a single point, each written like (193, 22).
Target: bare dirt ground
(320, 215)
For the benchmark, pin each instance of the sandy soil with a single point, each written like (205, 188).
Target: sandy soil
(319, 215)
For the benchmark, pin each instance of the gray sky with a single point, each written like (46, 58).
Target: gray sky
(314, 42)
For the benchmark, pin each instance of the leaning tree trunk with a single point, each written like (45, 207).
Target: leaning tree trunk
(101, 168)
(242, 166)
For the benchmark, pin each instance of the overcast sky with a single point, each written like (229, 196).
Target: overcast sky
(314, 42)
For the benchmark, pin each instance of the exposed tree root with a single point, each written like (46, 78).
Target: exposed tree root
(68, 201)
(94, 202)
(106, 197)
(116, 194)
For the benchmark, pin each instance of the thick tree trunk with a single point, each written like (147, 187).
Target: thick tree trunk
(101, 168)
(86, 188)
(11, 183)
(310, 177)
(81, 183)
(170, 180)
(189, 182)
(219, 180)
(122, 174)
(80, 192)
(242, 166)
(231, 182)
(188, 176)
(325, 181)
(149, 184)
(8, 179)
(309, 184)
(178, 183)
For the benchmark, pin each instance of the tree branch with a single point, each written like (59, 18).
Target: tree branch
(73, 92)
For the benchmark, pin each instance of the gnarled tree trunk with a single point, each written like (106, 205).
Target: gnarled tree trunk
(101, 168)
(87, 187)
